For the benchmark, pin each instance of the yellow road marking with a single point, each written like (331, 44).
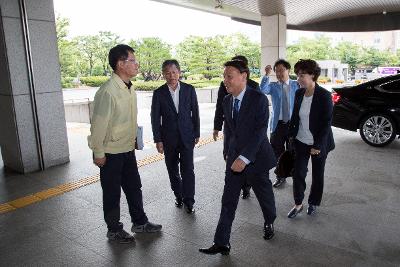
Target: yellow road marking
(24, 201)
(6, 208)
(61, 189)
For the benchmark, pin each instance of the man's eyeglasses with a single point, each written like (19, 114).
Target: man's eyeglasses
(133, 61)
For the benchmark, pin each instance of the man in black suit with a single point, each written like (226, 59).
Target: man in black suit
(249, 154)
(219, 114)
(176, 129)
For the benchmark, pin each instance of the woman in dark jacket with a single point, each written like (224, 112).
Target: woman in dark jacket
(311, 135)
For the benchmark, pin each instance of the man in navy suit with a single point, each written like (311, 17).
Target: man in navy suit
(176, 129)
(219, 113)
(249, 154)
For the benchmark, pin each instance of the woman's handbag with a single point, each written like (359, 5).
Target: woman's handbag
(285, 165)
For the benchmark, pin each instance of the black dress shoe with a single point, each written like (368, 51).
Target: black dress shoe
(215, 249)
(178, 202)
(293, 212)
(278, 182)
(190, 209)
(245, 194)
(268, 231)
(312, 209)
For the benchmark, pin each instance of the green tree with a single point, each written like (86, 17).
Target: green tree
(88, 46)
(349, 53)
(307, 48)
(62, 25)
(201, 55)
(375, 58)
(66, 49)
(151, 52)
(239, 44)
(107, 40)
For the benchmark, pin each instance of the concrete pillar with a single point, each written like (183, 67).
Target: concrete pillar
(33, 132)
(273, 40)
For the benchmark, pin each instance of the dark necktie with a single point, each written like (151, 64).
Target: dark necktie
(285, 105)
(235, 111)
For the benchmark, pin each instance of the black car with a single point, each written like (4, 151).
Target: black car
(373, 107)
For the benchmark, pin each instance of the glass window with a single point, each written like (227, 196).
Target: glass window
(391, 87)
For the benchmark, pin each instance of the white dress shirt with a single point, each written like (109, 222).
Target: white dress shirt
(304, 134)
(175, 95)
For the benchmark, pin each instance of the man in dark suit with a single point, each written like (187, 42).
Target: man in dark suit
(249, 154)
(219, 114)
(176, 129)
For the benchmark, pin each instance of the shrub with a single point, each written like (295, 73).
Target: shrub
(323, 80)
(94, 81)
(147, 86)
(204, 83)
(66, 82)
(358, 81)
(195, 77)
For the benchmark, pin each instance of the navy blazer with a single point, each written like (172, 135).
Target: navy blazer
(249, 137)
(219, 113)
(168, 124)
(320, 118)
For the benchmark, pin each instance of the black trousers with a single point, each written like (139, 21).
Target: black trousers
(183, 184)
(119, 171)
(262, 188)
(280, 138)
(300, 172)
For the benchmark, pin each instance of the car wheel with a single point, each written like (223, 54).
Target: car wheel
(377, 130)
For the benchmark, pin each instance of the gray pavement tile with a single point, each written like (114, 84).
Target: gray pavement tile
(222, 261)
(338, 230)
(92, 194)
(356, 225)
(159, 249)
(69, 254)
(288, 250)
(28, 242)
(76, 224)
(155, 182)
(43, 212)
(52, 208)
(54, 176)
(197, 228)
(13, 187)
(370, 213)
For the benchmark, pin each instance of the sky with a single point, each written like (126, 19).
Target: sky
(133, 19)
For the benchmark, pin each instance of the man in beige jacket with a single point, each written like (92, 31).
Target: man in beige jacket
(112, 140)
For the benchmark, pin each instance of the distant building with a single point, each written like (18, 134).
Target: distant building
(387, 40)
(370, 73)
(363, 73)
(387, 70)
(334, 69)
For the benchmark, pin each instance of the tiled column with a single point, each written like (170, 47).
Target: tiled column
(33, 132)
(273, 40)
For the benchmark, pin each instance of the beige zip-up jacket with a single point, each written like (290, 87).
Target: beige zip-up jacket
(114, 118)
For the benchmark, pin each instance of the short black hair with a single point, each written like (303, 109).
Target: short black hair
(308, 66)
(282, 62)
(169, 62)
(241, 58)
(118, 52)
(239, 65)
